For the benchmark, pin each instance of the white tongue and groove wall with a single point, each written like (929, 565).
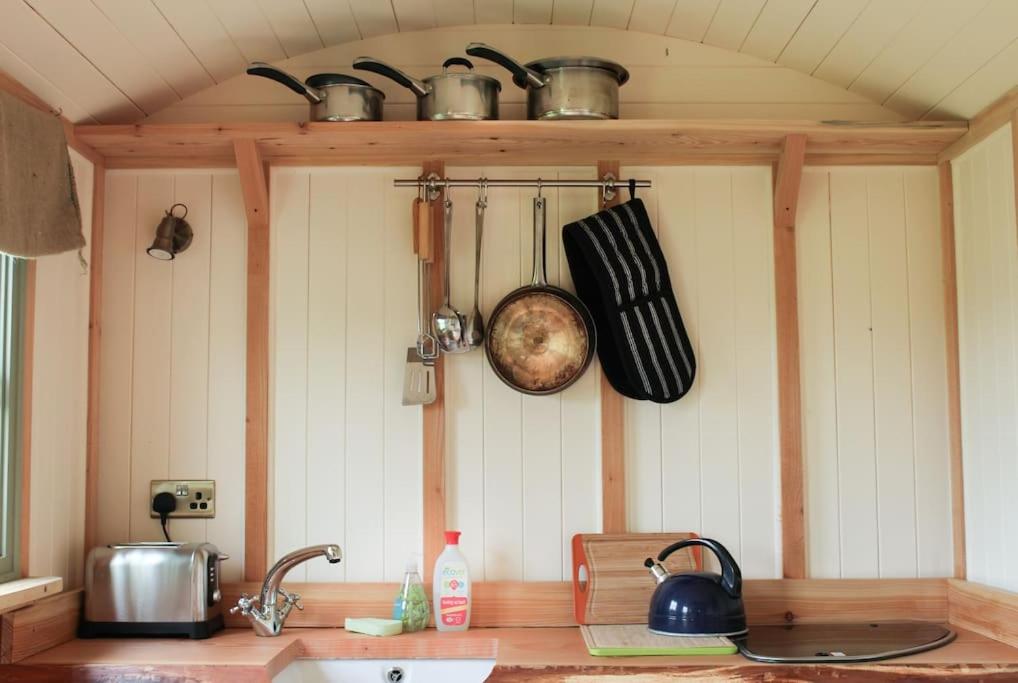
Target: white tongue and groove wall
(523, 472)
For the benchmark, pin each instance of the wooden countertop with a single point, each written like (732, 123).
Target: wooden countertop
(532, 654)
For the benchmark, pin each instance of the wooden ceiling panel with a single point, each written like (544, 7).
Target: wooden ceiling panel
(143, 25)
(120, 59)
(204, 36)
(55, 98)
(247, 26)
(690, 19)
(972, 48)
(105, 47)
(875, 28)
(292, 24)
(774, 28)
(940, 21)
(732, 23)
(820, 31)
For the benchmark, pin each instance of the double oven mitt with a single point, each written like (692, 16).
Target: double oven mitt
(621, 275)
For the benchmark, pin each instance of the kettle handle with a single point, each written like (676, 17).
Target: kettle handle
(731, 575)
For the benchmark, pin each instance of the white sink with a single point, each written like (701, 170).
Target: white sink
(386, 671)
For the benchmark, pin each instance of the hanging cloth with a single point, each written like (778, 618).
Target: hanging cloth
(621, 275)
(39, 212)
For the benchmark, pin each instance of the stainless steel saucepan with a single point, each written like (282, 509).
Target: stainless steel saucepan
(333, 97)
(563, 87)
(448, 96)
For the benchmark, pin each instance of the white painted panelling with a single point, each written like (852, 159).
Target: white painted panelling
(172, 356)
(778, 23)
(532, 11)
(205, 37)
(988, 332)
(708, 462)
(873, 373)
(732, 23)
(652, 16)
(572, 12)
(292, 24)
(250, 31)
(611, 13)
(414, 15)
(373, 18)
(523, 471)
(346, 456)
(333, 21)
(59, 405)
(454, 12)
(820, 31)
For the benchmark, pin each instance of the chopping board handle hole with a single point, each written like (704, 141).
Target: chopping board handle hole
(581, 578)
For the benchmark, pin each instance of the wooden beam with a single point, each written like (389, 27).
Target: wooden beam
(38, 627)
(95, 304)
(1014, 155)
(659, 141)
(983, 124)
(992, 612)
(786, 198)
(949, 267)
(256, 203)
(613, 429)
(27, 374)
(433, 475)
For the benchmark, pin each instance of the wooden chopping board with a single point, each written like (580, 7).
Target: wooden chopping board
(634, 640)
(610, 583)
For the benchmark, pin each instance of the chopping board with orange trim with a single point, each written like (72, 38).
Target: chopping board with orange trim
(610, 583)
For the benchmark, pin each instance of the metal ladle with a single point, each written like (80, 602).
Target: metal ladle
(473, 334)
(447, 321)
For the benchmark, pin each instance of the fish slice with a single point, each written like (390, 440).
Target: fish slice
(419, 373)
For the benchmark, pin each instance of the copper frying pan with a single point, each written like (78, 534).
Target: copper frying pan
(540, 338)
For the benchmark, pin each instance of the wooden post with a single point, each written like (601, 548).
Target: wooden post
(948, 262)
(255, 188)
(613, 430)
(786, 199)
(434, 413)
(95, 304)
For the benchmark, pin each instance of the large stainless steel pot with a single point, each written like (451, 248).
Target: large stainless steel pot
(448, 96)
(563, 87)
(333, 97)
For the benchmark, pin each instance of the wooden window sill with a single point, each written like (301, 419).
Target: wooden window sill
(21, 592)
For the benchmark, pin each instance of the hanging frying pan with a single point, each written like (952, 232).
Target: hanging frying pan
(541, 338)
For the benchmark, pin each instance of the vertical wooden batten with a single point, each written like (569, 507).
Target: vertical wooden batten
(613, 431)
(254, 186)
(433, 474)
(27, 360)
(1014, 155)
(787, 180)
(95, 302)
(947, 248)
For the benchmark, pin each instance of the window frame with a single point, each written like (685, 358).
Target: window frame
(13, 279)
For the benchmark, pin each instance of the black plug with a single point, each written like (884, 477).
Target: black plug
(163, 504)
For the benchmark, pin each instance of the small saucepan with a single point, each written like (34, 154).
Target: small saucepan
(333, 97)
(448, 96)
(541, 338)
(563, 87)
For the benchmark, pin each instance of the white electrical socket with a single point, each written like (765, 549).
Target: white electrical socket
(196, 498)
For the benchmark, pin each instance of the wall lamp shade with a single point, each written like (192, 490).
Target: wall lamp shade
(173, 235)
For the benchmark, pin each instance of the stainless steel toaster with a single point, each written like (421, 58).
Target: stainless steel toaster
(157, 589)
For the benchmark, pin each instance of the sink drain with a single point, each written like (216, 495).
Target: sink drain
(395, 675)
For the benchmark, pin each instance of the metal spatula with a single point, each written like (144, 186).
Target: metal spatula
(419, 373)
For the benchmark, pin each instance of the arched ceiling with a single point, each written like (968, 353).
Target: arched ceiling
(112, 61)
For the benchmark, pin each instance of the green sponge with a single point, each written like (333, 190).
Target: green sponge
(374, 627)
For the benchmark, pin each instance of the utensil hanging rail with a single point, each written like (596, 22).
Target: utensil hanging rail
(609, 184)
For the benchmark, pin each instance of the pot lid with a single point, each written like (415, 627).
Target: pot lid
(324, 80)
(542, 65)
(468, 75)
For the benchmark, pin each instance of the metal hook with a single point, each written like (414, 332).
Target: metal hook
(539, 188)
(482, 192)
(607, 188)
(432, 187)
(175, 206)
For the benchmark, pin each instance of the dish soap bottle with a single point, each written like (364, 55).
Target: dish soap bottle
(451, 590)
(411, 604)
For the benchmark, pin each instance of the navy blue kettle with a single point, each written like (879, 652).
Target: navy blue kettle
(697, 603)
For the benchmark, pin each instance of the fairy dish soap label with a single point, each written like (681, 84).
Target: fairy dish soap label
(451, 590)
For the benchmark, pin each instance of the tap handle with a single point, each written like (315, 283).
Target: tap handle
(244, 605)
(292, 599)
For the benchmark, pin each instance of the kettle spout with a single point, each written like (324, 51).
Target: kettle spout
(657, 570)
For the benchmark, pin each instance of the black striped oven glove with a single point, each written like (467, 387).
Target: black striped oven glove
(621, 275)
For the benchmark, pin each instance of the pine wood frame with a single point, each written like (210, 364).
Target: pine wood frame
(251, 147)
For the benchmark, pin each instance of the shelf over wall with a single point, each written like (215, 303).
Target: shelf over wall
(667, 142)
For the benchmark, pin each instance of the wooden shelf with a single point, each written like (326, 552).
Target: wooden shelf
(669, 142)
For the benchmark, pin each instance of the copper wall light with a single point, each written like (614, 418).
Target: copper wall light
(173, 235)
